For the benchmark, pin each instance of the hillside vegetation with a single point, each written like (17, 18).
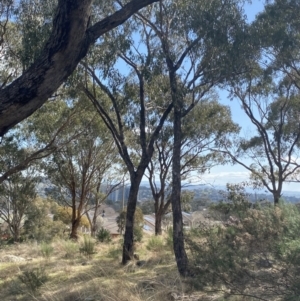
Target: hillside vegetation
(239, 254)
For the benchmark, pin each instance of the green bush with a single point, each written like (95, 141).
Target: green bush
(137, 234)
(33, 279)
(114, 252)
(240, 255)
(236, 202)
(155, 244)
(70, 248)
(103, 235)
(38, 225)
(87, 246)
(46, 249)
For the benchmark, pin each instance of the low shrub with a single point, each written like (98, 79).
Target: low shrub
(114, 252)
(87, 246)
(103, 235)
(137, 233)
(70, 249)
(46, 250)
(33, 279)
(155, 244)
(240, 255)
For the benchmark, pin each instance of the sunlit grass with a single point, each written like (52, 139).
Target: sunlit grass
(100, 277)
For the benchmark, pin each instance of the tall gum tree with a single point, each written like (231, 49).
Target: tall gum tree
(269, 96)
(203, 43)
(270, 153)
(207, 125)
(128, 116)
(69, 41)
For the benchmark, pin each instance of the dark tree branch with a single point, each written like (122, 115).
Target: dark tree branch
(68, 43)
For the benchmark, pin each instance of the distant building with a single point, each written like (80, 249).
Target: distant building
(117, 195)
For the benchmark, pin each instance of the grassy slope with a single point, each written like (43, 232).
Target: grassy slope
(100, 277)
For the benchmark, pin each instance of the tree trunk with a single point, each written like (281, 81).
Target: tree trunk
(94, 228)
(67, 45)
(131, 205)
(93, 232)
(15, 232)
(74, 229)
(178, 237)
(158, 223)
(276, 197)
(158, 214)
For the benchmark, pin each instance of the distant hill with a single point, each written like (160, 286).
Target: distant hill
(213, 193)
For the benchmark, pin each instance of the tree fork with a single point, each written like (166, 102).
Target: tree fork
(68, 43)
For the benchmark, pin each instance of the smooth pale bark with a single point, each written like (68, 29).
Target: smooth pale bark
(69, 42)
(147, 149)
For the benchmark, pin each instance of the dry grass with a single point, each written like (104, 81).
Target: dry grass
(72, 276)
(99, 278)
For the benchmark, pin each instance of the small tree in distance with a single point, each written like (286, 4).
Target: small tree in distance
(138, 223)
(16, 195)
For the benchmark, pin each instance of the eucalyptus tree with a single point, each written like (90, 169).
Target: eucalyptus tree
(208, 125)
(68, 39)
(276, 33)
(130, 114)
(203, 43)
(78, 169)
(17, 194)
(269, 96)
(108, 178)
(35, 139)
(10, 65)
(271, 153)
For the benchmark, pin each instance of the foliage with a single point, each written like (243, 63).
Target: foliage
(33, 279)
(138, 219)
(70, 249)
(17, 194)
(64, 214)
(147, 207)
(138, 233)
(114, 252)
(240, 253)
(46, 250)
(39, 225)
(186, 200)
(155, 244)
(34, 30)
(138, 223)
(103, 235)
(235, 202)
(87, 246)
